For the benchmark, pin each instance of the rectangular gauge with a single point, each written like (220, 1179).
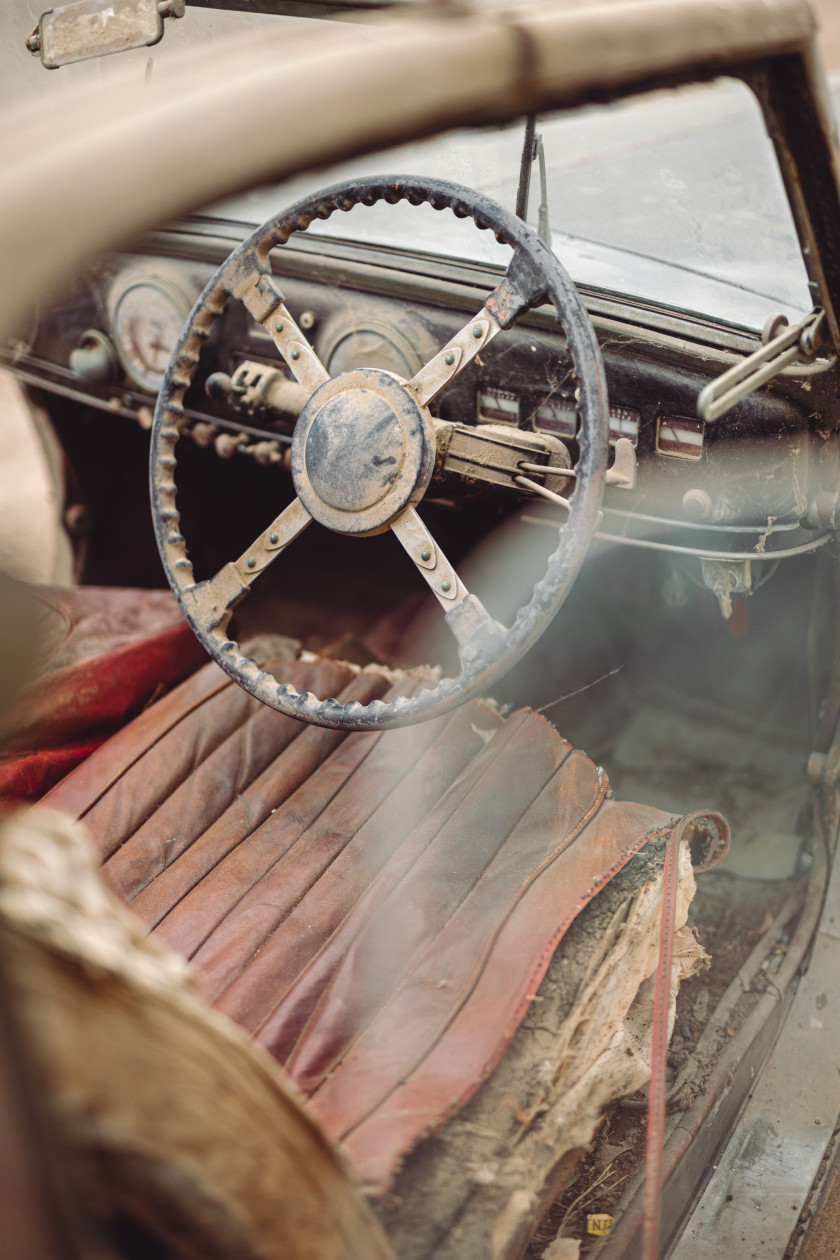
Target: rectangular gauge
(559, 415)
(624, 423)
(497, 406)
(679, 437)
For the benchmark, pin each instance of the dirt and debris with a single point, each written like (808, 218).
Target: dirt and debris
(470, 1189)
(730, 916)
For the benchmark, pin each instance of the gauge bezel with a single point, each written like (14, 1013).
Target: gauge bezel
(172, 290)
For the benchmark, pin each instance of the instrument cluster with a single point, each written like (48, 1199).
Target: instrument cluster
(110, 343)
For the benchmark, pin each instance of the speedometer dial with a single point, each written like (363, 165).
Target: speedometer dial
(147, 314)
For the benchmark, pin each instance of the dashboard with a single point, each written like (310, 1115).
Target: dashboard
(757, 482)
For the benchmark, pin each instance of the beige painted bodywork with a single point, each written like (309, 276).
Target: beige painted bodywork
(92, 166)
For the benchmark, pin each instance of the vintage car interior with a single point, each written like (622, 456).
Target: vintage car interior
(441, 654)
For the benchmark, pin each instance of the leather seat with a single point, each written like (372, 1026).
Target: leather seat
(377, 909)
(104, 652)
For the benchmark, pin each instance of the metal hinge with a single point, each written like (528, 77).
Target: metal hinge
(783, 345)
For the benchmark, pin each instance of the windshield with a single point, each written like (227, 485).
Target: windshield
(674, 198)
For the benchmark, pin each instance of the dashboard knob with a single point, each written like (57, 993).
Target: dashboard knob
(220, 386)
(697, 505)
(94, 359)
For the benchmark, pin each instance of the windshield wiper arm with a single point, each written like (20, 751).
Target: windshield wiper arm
(533, 151)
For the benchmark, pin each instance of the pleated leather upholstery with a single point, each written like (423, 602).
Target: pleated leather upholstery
(376, 909)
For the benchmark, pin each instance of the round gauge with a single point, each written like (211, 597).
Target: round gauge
(376, 347)
(377, 336)
(147, 315)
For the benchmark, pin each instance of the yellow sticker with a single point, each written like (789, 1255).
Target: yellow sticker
(599, 1223)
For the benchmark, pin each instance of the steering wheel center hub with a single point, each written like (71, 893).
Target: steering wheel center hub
(363, 451)
(354, 450)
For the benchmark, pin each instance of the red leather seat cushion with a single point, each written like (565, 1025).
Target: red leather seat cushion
(105, 652)
(378, 909)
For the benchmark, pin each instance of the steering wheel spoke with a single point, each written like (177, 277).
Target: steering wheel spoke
(216, 598)
(432, 564)
(282, 531)
(524, 286)
(442, 369)
(516, 293)
(479, 637)
(264, 301)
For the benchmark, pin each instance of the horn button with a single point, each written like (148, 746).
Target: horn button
(363, 451)
(354, 451)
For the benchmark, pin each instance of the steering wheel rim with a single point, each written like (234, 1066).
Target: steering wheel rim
(487, 650)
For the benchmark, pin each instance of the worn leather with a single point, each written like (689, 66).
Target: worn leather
(104, 654)
(378, 910)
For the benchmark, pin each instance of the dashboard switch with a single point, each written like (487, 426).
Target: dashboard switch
(624, 471)
(257, 391)
(94, 359)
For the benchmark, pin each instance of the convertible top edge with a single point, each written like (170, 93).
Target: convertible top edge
(622, 45)
(467, 69)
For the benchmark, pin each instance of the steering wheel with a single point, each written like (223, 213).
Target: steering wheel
(363, 454)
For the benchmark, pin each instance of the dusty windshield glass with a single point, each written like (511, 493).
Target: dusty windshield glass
(674, 198)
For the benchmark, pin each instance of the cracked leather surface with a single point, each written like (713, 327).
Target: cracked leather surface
(377, 909)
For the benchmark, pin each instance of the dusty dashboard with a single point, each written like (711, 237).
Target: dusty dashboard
(758, 479)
